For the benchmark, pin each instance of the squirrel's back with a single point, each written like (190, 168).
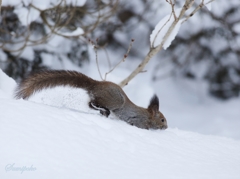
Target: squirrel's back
(52, 78)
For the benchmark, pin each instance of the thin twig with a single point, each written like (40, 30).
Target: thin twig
(96, 55)
(108, 59)
(124, 58)
(209, 2)
(152, 45)
(173, 11)
(194, 11)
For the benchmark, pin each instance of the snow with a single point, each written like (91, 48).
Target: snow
(208, 5)
(3, 56)
(77, 32)
(47, 59)
(215, 49)
(26, 16)
(236, 27)
(161, 29)
(56, 135)
(27, 53)
(55, 41)
(76, 2)
(11, 2)
(7, 86)
(43, 5)
(165, 23)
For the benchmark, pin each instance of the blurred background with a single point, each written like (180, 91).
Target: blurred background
(200, 70)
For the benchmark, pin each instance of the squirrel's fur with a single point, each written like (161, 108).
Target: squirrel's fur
(105, 96)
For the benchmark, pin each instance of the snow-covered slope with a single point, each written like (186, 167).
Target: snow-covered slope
(42, 141)
(62, 143)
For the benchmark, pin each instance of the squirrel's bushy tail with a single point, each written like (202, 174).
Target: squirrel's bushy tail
(51, 78)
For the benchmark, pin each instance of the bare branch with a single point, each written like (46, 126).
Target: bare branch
(96, 54)
(108, 59)
(153, 51)
(124, 58)
(23, 39)
(196, 9)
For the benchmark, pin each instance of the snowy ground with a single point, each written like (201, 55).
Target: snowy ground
(55, 135)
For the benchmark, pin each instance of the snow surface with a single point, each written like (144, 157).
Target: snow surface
(53, 136)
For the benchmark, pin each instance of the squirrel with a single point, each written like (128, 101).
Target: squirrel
(104, 96)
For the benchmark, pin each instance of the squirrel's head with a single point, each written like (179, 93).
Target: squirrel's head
(157, 119)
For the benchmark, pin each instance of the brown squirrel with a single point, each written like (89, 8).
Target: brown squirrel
(104, 96)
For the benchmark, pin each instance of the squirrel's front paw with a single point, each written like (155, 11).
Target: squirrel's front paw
(105, 112)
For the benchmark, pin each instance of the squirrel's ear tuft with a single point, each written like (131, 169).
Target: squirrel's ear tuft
(154, 103)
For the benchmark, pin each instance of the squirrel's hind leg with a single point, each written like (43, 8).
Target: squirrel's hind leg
(104, 111)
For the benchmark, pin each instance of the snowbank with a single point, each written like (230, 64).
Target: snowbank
(61, 143)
